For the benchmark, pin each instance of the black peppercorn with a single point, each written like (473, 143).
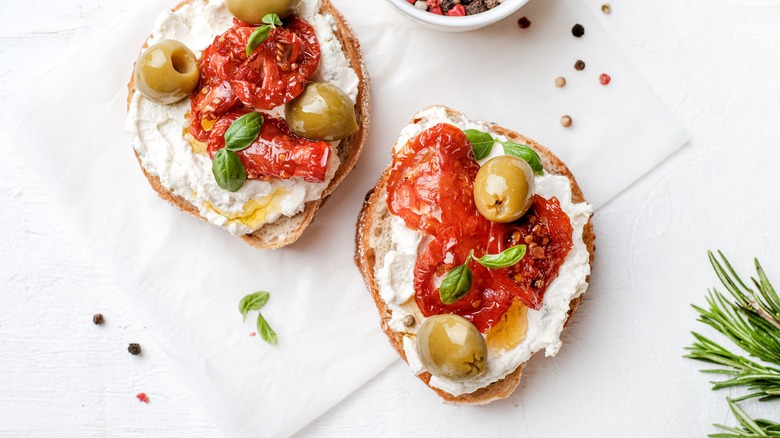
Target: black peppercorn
(524, 23)
(134, 349)
(579, 65)
(98, 319)
(578, 30)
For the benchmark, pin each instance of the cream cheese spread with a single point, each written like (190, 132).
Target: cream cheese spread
(395, 273)
(158, 132)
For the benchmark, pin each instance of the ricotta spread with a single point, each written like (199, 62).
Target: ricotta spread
(395, 273)
(160, 133)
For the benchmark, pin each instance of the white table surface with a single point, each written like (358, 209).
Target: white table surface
(716, 63)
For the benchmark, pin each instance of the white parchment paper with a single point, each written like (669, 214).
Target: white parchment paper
(186, 277)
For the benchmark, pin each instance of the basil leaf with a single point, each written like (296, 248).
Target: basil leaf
(254, 301)
(457, 283)
(266, 332)
(258, 36)
(243, 131)
(228, 170)
(506, 259)
(272, 20)
(481, 142)
(526, 153)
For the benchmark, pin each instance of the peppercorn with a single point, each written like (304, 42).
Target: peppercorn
(98, 319)
(134, 349)
(579, 65)
(578, 30)
(475, 7)
(524, 23)
(566, 121)
(606, 8)
(605, 79)
(409, 321)
(560, 82)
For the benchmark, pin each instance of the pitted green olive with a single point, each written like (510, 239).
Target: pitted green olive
(322, 112)
(166, 72)
(451, 347)
(253, 11)
(504, 188)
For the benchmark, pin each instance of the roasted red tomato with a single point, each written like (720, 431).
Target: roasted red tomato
(487, 300)
(275, 73)
(546, 231)
(432, 178)
(276, 152)
(232, 84)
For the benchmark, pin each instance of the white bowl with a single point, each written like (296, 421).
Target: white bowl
(457, 24)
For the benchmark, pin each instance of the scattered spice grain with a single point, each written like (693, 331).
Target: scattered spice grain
(524, 23)
(98, 319)
(134, 349)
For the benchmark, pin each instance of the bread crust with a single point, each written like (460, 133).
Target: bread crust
(287, 230)
(374, 213)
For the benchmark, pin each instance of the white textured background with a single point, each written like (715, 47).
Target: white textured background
(716, 63)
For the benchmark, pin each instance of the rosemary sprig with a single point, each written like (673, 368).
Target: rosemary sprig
(752, 322)
(749, 426)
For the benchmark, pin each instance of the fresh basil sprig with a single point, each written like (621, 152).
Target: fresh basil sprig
(228, 170)
(256, 301)
(481, 142)
(243, 131)
(457, 283)
(507, 258)
(526, 153)
(261, 33)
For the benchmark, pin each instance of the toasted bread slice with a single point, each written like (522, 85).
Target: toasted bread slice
(287, 230)
(374, 220)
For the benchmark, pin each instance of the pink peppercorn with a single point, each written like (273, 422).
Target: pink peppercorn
(433, 3)
(411, 2)
(436, 10)
(457, 11)
(605, 79)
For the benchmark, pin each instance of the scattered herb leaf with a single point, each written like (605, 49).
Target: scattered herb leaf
(258, 36)
(507, 258)
(254, 301)
(228, 170)
(266, 332)
(243, 131)
(272, 20)
(457, 282)
(481, 142)
(526, 153)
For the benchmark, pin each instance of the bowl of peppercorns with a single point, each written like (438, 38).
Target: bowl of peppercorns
(456, 15)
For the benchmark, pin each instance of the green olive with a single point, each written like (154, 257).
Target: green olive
(504, 188)
(322, 112)
(166, 72)
(451, 347)
(253, 11)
